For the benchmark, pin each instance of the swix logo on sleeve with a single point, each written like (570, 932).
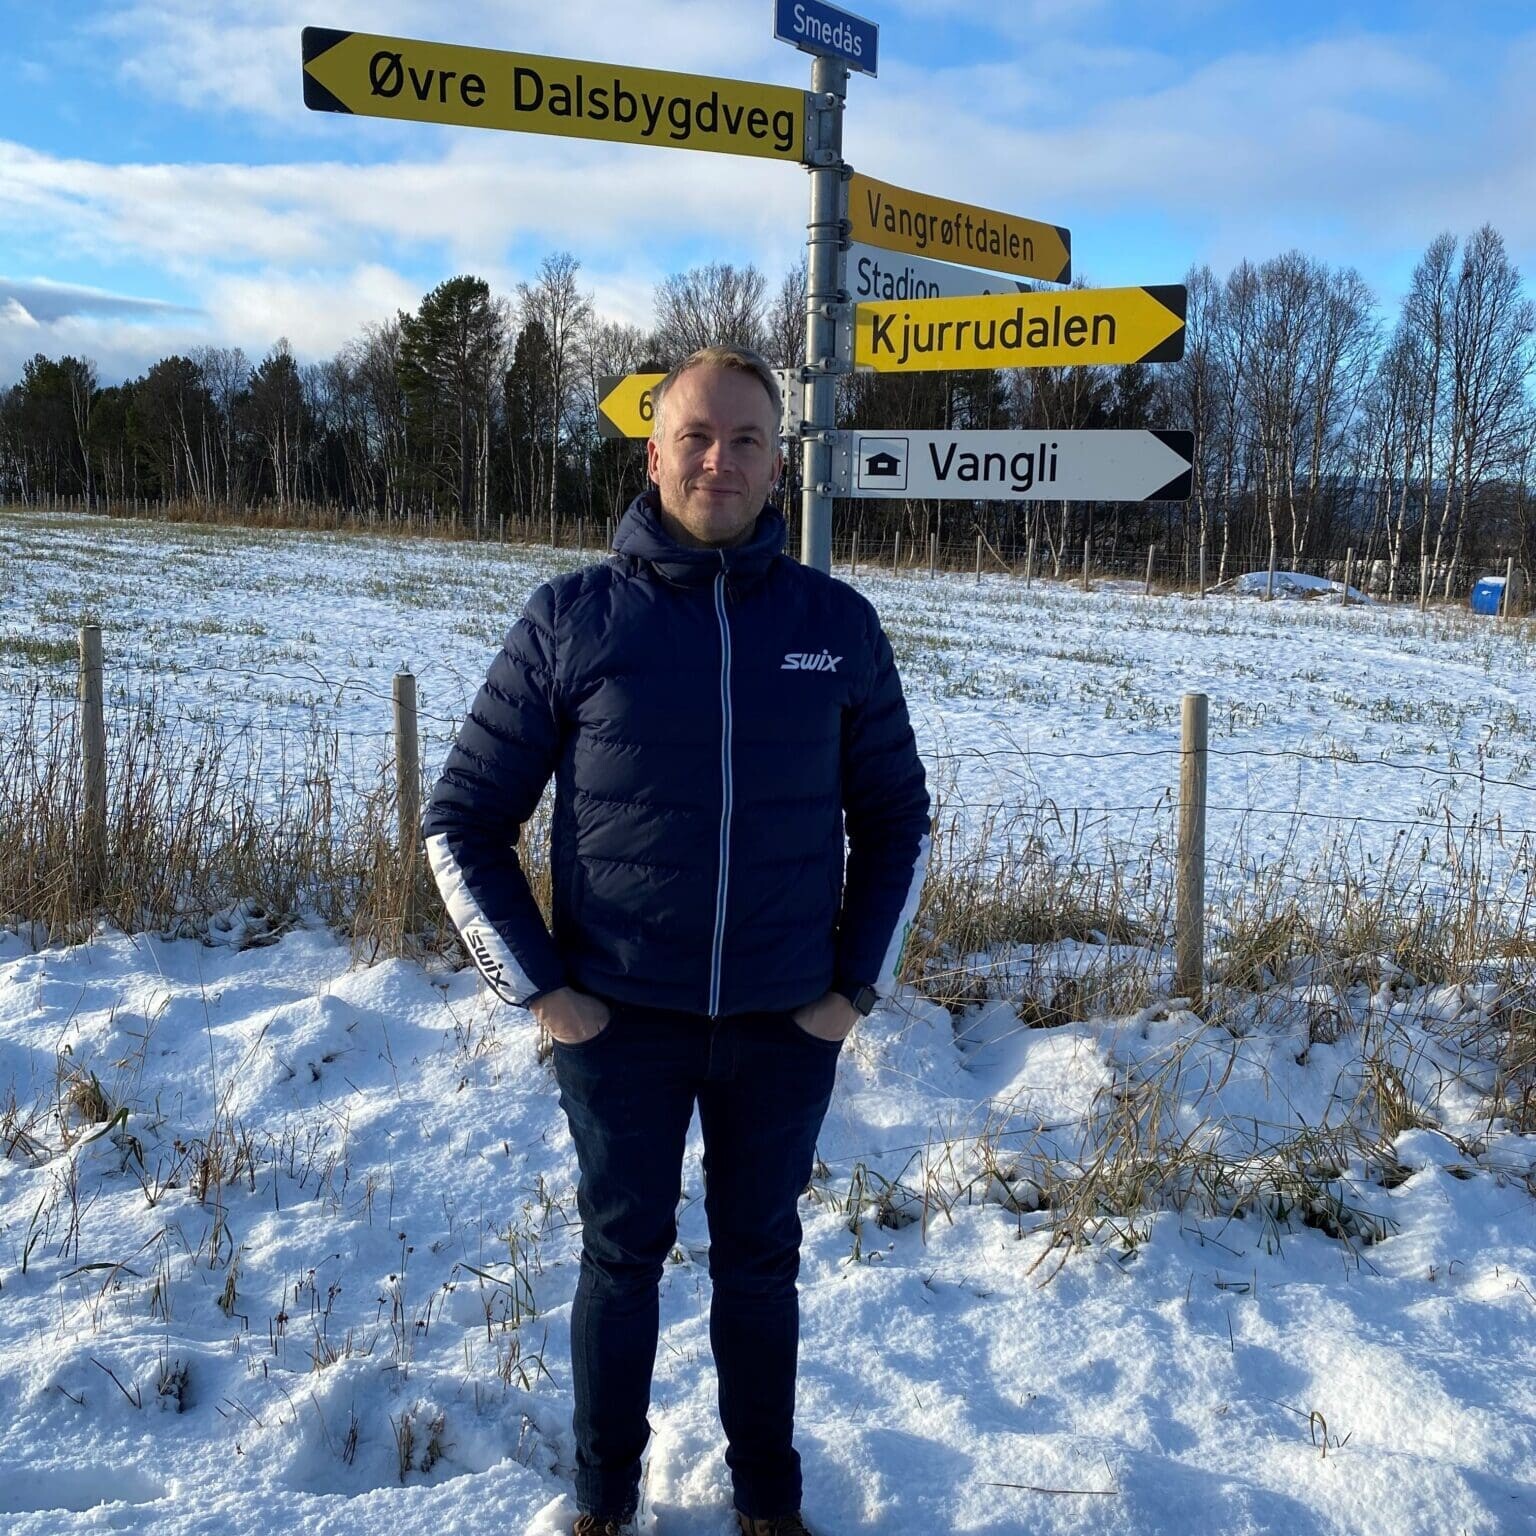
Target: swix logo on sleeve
(483, 957)
(805, 661)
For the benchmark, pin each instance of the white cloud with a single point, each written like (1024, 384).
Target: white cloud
(1364, 143)
(243, 55)
(1357, 147)
(45, 300)
(318, 311)
(472, 203)
(14, 315)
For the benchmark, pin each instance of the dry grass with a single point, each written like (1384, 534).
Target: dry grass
(1021, 878)
(1009, 906)
(329, 517)
(197, 828)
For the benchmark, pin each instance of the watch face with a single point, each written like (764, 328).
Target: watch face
(864, 1000)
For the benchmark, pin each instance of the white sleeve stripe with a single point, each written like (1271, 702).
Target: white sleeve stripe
(491, 953)
(886, 980)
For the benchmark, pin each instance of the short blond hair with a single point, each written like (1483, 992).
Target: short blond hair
(732, 360)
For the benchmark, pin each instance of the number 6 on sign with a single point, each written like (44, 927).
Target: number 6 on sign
(624, 404)
(626, 408)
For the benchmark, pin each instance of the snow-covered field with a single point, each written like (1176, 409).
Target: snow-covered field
(337, 1221)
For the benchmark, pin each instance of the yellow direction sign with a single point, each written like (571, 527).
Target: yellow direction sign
(487, 88)
(898, 220)
(624, 404)
(1022, 330)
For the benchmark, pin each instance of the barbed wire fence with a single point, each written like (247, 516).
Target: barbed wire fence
(336, 770)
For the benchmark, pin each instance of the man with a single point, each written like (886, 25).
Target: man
(712, 713)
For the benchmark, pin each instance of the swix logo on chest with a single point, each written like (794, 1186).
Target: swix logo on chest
(805, 661)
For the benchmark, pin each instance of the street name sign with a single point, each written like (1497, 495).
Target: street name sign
(816, 27)
(898, 220)
(1016, 466)
(1023, 330)
(874, 274)
(529, 93)
(624, 403)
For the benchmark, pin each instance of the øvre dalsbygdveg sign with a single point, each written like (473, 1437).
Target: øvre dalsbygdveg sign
(487, 88)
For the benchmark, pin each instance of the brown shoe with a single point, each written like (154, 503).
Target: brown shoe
(595, 1525)
(777, 1525)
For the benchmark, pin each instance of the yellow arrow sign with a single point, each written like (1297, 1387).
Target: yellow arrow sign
(624, 404)
(1023, 330)
(487, 88)
(898, 220)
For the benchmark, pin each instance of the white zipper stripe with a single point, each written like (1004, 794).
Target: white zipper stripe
(725, 791)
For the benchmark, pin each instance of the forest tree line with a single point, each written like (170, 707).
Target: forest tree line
(1320, 423)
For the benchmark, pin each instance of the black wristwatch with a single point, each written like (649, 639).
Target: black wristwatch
(863, 998)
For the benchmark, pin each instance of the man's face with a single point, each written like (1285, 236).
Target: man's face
(715, 457)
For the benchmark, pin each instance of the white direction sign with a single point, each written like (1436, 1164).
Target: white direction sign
(1016, 466)
(875, 275)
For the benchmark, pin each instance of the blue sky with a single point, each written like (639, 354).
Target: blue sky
(162, 185)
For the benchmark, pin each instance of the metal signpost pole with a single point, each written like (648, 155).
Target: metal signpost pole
(826, 298)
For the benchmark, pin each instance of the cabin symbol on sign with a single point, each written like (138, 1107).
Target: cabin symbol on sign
(883, 463)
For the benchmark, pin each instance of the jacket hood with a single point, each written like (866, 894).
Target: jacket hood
(640, 536)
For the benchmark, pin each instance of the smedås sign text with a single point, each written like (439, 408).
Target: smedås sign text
(819, 28)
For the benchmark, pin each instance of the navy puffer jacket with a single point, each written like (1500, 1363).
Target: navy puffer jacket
(713, 719)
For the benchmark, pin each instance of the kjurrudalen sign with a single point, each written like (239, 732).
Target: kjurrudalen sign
(1025, 330)
(898, 220)
(529, 93)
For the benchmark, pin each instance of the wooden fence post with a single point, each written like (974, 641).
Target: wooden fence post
(1269, 589)
(407, 789)
(853, 562)
(1146, 590)
(933, 554)
(1349, 572)
(978, 557)
(1189, 908)
(1507, 600)
(93, 757)
(896, 552)
(1029, 562)
(1087, 546)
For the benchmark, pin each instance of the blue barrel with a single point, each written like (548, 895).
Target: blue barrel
(1488, 595)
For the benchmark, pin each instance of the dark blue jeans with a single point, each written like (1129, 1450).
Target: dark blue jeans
(762, 1085)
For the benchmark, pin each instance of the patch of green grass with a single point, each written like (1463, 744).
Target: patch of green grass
(38, 652)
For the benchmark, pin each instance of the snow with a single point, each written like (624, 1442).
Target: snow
(1290, 584)
(398, 1243)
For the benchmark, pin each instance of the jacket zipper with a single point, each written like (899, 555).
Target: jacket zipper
(723, 880)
